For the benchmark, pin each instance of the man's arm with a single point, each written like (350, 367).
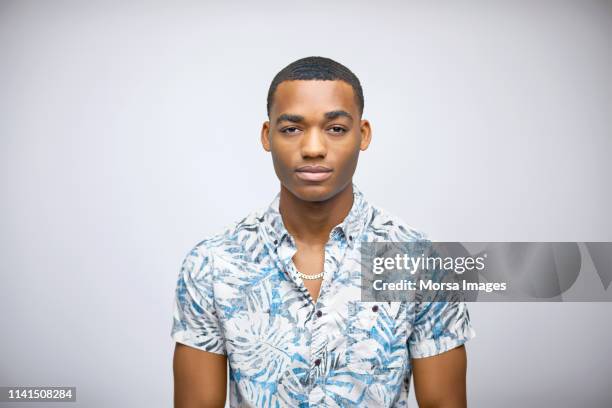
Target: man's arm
(200, 361)
(200, 378)
(439, 381)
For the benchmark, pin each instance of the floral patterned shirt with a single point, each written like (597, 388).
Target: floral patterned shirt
(239, 294)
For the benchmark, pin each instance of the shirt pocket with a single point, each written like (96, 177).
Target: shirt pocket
(376, 336)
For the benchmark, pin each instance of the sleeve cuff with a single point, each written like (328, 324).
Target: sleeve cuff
(433, 347)
(184, 337)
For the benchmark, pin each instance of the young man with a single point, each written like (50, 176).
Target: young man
(277, 293)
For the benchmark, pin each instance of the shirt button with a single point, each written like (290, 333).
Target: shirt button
(350, 237)
(375, 308)
(319, 313)
(275, 241)
(317, 361)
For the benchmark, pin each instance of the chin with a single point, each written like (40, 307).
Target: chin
(314, 192)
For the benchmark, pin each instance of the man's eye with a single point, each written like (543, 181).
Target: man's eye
(337, 129)
(291, 129)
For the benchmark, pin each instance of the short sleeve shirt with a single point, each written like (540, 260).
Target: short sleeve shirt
(239, 294)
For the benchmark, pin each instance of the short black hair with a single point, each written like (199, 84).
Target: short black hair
(317, 68)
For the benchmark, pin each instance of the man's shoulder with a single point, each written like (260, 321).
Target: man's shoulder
(233, 238)
(390, 227)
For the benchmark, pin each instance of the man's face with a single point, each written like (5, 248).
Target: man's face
(315, 135)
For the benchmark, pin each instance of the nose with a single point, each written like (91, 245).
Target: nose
(314, 144)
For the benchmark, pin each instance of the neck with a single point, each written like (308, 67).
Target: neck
(310, 222)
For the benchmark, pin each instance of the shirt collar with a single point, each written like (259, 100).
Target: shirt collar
(350, 227)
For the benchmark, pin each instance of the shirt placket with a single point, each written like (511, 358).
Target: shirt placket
(334, 249)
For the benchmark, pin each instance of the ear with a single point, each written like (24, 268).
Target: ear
(265, 136)
(366, 134)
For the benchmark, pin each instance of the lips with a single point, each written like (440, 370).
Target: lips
(313, 173)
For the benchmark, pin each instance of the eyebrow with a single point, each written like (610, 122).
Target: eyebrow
(299, 118)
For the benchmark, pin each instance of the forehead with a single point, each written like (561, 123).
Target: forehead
(313, 97)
